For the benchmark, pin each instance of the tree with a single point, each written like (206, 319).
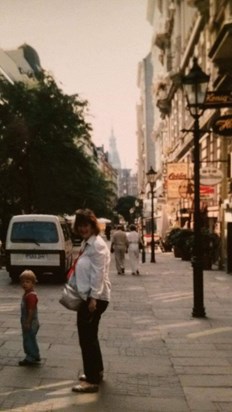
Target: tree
(43, 167)
(124, 205)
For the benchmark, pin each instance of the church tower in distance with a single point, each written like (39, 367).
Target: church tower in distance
(114, 158)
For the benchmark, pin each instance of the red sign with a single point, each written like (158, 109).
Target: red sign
(207, 192)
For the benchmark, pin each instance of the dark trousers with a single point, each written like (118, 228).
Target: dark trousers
(87, 325)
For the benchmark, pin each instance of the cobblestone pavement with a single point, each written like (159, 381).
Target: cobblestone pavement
(157, 357)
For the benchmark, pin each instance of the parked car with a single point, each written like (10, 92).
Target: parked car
(76, 239)
(147, 239)
(38, 242)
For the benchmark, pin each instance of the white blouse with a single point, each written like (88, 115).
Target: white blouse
(92, 269)
(133, 239)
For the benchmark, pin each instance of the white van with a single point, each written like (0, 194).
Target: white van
(41, 243)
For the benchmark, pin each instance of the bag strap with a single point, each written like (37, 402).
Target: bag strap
(71, 271)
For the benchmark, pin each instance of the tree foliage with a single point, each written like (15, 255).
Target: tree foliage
(43, 167)
(124, 205)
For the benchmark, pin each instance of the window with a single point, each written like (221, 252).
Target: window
(34, 232)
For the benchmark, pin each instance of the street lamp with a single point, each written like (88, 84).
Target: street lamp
(195, 86)
(139, 203)
(151, 178)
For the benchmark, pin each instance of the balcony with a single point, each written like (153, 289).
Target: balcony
(202, 6)
(162, 38)
(164, 106)
(220, 52)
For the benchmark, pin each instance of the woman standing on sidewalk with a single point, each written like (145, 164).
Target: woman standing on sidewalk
(134, 240)
(92, 276)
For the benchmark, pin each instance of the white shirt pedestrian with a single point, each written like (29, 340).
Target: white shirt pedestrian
(133, 249)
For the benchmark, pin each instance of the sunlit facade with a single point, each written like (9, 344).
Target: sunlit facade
(181, 30)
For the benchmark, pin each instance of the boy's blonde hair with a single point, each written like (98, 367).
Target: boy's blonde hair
(28, 274)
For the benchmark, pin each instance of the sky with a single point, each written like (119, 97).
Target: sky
(92, 48)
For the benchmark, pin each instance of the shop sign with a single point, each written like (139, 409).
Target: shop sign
(218, 99)
(207, 192)
(223, 125)
(210, 176)
(177, 177)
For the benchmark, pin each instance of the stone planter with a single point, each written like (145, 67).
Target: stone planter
(177, 252)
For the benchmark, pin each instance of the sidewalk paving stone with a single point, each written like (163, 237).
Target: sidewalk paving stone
(157, 357)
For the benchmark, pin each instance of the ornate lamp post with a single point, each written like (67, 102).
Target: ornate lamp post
(195, 85)
(139, 203)
(151, 178)
(141, 196)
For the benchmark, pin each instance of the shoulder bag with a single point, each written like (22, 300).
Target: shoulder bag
(70, 297)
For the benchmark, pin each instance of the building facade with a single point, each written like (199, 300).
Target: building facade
(126, 181)
(20, 65)
(187, 29)
(145, 120)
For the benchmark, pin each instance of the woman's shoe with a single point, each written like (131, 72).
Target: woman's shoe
(83, 378)
(86, 388)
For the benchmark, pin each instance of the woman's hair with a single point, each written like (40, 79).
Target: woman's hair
(28, 274)
(86, 217)
(132, 227)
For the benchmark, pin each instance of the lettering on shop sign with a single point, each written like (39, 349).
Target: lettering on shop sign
(216, 99)
(223, 125)
(177, 176)
(210, 176)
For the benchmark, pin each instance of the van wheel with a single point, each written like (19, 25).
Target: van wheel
(14, 276)
(61, 276)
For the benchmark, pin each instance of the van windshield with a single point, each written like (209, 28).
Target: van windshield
(34, 232)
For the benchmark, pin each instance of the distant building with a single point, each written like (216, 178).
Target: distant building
(114, 158)
(110, 174)
(127, 183)
(27, 60)
(22, 64)
(145, 121)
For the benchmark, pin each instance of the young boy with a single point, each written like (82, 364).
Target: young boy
(29, 319)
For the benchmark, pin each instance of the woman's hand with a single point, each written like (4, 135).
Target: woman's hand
(92, 305)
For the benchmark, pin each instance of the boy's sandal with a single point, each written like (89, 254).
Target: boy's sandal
(26, 362)
(85, 389)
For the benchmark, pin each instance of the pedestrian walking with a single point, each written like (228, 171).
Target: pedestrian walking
(119, 245)
(29, 319)
(108, 231)
(92, 281)
(135, 241)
